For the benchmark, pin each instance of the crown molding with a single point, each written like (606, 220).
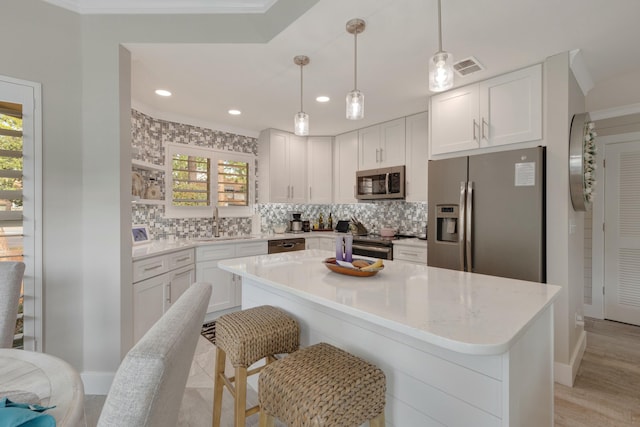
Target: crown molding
(96, 7)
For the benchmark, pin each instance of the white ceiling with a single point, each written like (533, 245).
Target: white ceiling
(263, 82)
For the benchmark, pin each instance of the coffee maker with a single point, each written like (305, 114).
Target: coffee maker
(295, 224)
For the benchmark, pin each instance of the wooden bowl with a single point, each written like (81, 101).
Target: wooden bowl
(332, 265)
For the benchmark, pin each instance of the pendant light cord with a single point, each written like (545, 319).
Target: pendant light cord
(439, 29)
(301, 88)
(355, 60)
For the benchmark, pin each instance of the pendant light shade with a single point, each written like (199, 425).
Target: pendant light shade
(301, 119)
(440, 65)
(355, 98)
(301, 124)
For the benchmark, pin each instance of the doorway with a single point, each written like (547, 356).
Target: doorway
(21, 198)
(622, 230)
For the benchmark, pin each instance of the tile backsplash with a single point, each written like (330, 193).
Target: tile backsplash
(149, 136)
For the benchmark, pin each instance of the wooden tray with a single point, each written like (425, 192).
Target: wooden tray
(332, 265)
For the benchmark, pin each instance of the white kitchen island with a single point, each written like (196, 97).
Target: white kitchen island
(458, 349)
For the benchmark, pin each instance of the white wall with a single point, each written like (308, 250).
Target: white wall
(86, 96)
(43, 43)
(564, 226)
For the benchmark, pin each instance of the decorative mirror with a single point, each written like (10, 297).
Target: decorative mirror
(582, 162)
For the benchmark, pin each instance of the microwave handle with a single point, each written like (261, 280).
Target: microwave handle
(387, 183)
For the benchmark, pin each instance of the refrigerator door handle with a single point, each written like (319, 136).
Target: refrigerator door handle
(469, 226)
(461, 227)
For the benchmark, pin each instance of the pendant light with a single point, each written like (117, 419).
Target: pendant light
(301, 119)
(355, 98)
(440, 65)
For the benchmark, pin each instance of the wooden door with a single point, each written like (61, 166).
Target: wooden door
(622, 232)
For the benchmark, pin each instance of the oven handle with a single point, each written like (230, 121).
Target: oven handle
(372, 248)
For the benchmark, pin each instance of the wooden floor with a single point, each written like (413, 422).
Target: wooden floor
(607, 388)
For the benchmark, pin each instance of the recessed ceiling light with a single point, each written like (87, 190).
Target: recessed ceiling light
(323, 99)
(163, 92)
(235, 112)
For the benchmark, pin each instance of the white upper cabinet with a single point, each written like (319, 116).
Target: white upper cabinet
(282, 162)
(345, 164)
(417, 158)
(320, 169)
(504, 110)
(511, 107)
(382, 145)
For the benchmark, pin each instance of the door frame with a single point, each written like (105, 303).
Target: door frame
(32, 223)
(596, 309)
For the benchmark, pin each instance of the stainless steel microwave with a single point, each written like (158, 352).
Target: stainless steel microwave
(383, 183)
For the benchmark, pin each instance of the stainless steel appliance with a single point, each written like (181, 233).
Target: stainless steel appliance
(375, 247)
(383, 183)
(295, 225)
(285, 245)
(486, 214)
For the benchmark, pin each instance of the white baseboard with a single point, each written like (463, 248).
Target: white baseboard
(97, 382)
(566, 374)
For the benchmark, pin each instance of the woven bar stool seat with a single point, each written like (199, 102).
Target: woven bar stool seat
(245, 337)
(322, 385)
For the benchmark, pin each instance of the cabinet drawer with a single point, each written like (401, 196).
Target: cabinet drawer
(249, 249)
(150, 267)
(180, 259)
(406, 253)
(206, 253)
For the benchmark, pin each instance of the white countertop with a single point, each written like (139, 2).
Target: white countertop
(160, 247)
(463, 312)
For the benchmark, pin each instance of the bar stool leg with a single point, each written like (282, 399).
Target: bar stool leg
(241, 396)
(218, 386)
(377, 421)
(266, 420)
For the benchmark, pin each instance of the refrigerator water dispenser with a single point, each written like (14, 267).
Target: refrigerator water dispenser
(447, 222)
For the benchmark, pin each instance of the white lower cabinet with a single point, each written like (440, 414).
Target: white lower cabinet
(410, 253)
(158, 282)
(226, 287)
(312, 243)
(327, 243)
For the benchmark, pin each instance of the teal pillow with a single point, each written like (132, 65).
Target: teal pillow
(13, 414)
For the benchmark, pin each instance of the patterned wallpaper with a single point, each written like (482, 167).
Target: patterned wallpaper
(149, 136)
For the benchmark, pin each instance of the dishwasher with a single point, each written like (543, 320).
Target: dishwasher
(285, 245)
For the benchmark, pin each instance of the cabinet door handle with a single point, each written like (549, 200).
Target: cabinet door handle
(475, 136)
(409, 254)
(155, 267)
(288, 191)
(485, 136)
(381, 159)
(309, 193)
(377, 151)
(168, 294)
(183, 259)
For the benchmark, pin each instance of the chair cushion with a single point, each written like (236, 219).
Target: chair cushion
(322, 385)
(247, 336)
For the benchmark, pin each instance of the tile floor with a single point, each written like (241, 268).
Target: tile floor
(606, 391)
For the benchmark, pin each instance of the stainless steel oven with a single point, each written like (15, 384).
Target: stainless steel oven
(375, 247)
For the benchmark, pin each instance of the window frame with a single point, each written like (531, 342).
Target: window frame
(214, 156)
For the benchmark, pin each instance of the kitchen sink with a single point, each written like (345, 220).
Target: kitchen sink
(222, 238)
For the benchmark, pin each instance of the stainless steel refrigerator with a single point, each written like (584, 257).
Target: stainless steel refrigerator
(486, 214)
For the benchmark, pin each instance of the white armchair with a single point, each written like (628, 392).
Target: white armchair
(148, 387)
(11, 274)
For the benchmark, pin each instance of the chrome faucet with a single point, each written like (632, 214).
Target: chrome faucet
(216, 222)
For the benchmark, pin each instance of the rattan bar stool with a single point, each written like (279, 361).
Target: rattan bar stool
(246, 337)
(322, 385)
